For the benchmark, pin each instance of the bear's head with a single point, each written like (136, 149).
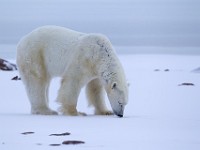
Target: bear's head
(117, 91)
(108, 67)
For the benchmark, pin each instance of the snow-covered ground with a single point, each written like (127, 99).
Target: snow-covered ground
(162, 114)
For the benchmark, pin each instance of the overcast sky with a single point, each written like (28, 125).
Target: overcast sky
(125, 22)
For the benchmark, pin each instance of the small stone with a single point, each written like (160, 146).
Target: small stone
(157, 70)
(54, 144)
(166, 70)
(186, 84)
(16, 78)
(27, 133)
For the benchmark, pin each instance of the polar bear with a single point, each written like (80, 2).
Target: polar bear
(79, 59)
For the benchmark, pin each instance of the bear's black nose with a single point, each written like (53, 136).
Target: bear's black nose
(120, 115)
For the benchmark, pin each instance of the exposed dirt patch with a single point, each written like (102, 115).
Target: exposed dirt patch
(73, 142)
(165, 70)
(186, 84)
(156, 69)
(16, 78)
(61, 134)
(27, 133)
(68, 142)
(54, 144)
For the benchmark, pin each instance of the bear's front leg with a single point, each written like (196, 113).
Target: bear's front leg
(95, 94)
(68, 97)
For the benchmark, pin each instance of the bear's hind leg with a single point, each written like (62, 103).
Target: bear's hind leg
(37, 91)
(95, 94)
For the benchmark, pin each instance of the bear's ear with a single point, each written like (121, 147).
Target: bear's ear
(113, 85)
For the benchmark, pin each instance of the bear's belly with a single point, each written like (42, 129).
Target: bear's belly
(57, 67)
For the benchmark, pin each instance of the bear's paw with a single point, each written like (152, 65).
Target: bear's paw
(44, 112)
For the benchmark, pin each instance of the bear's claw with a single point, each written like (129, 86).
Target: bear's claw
(106, 113)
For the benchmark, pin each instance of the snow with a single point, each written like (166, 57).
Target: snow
(160, 113)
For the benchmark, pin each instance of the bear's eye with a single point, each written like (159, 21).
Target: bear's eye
(114, 85)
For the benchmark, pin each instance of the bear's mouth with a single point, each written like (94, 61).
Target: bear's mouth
(120, 111)
(118, 114)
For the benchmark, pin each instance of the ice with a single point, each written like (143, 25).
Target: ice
(160, 113)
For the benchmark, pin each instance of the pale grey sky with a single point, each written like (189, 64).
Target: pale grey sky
(126, 22)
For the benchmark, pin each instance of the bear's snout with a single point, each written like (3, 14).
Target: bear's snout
(119, 111)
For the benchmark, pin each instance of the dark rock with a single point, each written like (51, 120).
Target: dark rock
(197, 70)
(61, 134)
(27, 133)
(7, 66)
(186, 84)
(16, 78)
(54, 144)
(157, 70)
(73, 142)
(166, 70)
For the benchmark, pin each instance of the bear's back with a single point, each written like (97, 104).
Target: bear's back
(55, 45)
(47, 37)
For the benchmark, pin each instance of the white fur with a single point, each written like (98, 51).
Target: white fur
(79, 59)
